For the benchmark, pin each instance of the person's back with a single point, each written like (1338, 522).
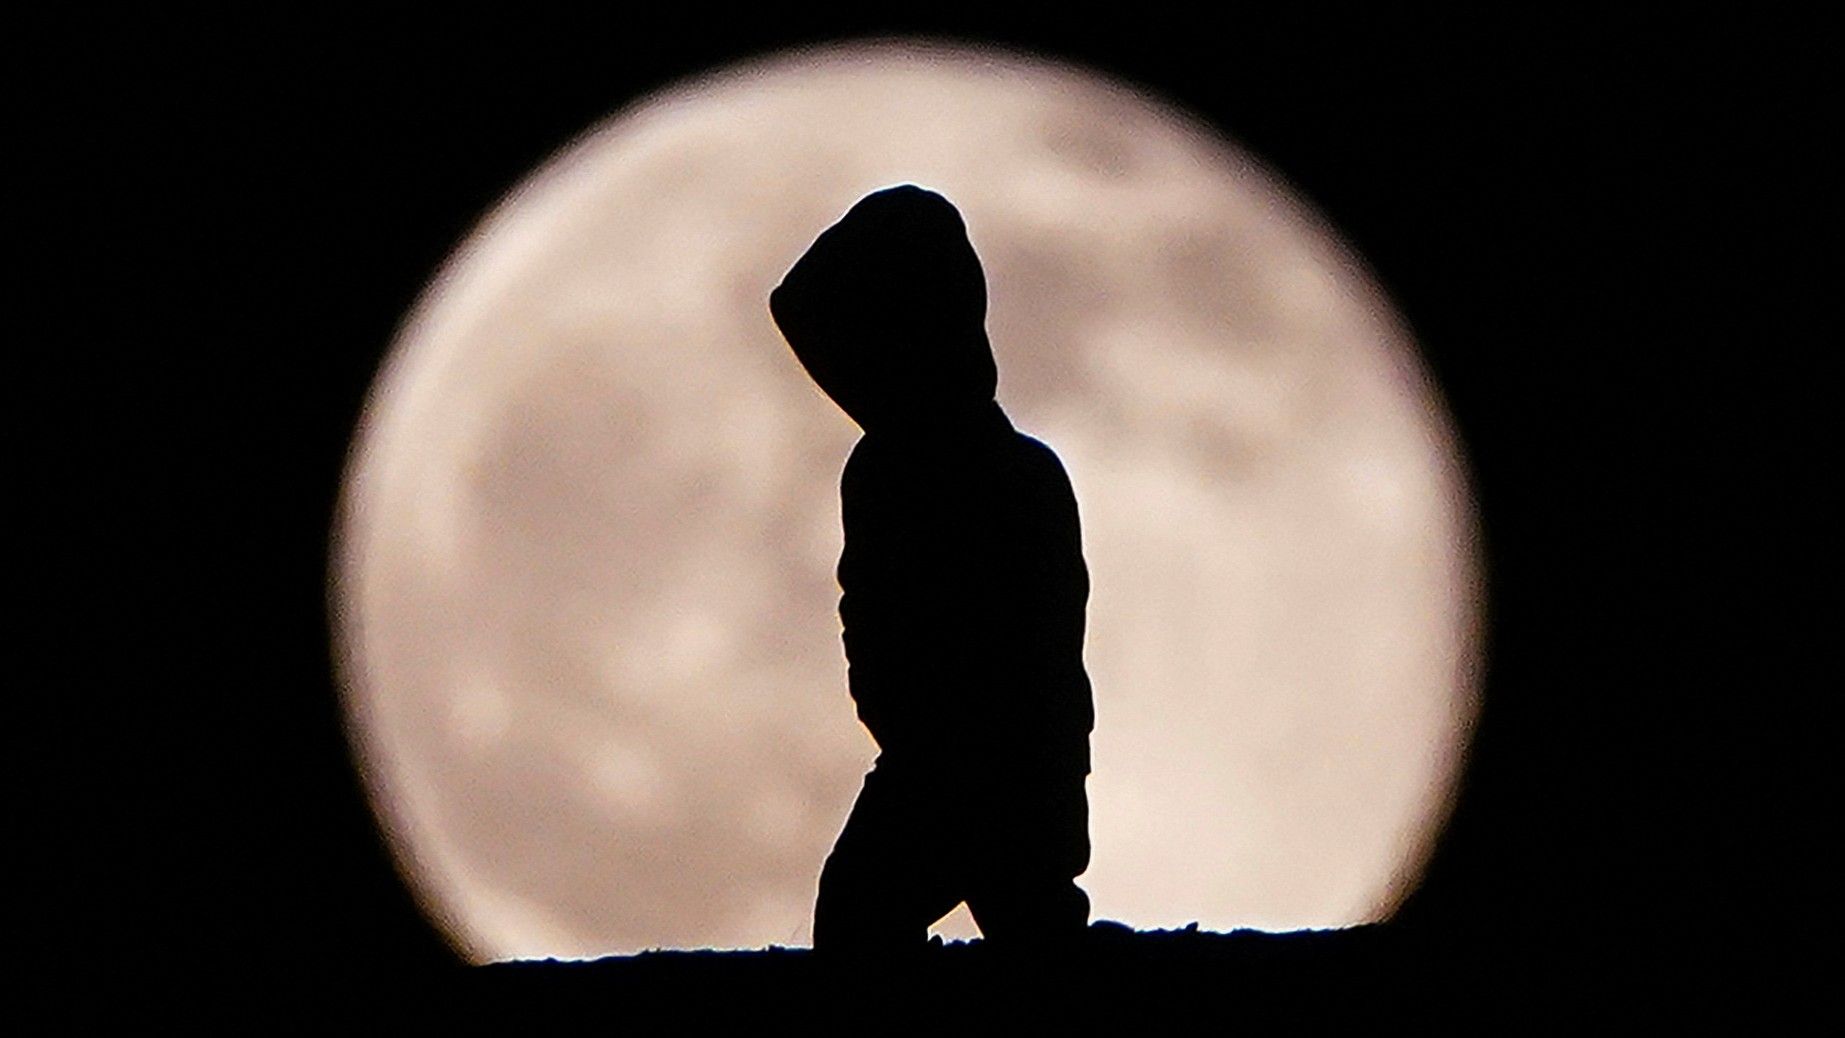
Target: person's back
(964, 595)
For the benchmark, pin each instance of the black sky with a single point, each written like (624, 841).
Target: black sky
(1582, 220)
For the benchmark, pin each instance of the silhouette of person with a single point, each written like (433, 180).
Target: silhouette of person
(963, 600)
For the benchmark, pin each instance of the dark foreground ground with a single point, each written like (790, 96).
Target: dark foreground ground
(1141, 982)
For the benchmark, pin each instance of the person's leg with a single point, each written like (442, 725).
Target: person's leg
(1034, 911)
(1025, 894)
(881, 887)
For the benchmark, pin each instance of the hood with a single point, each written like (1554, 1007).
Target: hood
(887, 312)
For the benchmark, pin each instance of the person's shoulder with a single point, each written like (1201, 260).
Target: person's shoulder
(1031, 451)
(865, 462)
(1035, 461)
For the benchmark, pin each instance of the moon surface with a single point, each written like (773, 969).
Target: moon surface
(584, 592)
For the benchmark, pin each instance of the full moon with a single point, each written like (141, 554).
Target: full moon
(583, 569)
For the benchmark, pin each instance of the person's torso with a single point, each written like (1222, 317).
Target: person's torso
(964, 595)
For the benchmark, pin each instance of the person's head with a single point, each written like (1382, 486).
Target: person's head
(887, 312)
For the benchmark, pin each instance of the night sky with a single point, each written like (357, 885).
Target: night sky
(1586, 225)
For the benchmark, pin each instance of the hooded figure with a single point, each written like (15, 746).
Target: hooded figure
(964, 594)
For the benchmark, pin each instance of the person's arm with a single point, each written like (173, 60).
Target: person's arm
(1037, 612)
(870, 611)
(1032, 611)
